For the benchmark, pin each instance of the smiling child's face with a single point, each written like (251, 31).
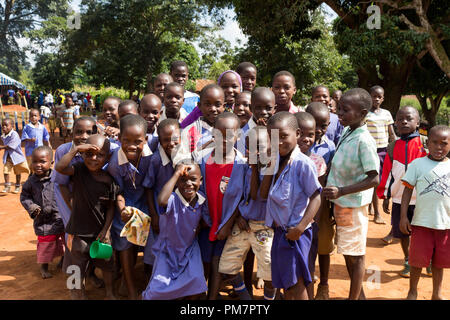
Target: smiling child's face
(133, 139)
(212, 104)
(81, 131)
(189, 183)
(231, 87)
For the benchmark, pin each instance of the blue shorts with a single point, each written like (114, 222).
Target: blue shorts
(209, 249)
(395, 219)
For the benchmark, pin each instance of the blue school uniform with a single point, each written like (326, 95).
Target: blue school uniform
(159, 172)
(13, 150)
(286, 204)
(178, 269)
(153, 141)
(335, 129)
(39, 132)
(124, 173)
(252, 209)
(231, 199)
(324, 148)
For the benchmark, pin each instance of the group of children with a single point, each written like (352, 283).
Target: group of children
(237, 172)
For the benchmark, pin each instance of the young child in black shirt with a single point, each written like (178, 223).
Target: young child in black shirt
(94, 195)
(38, 199)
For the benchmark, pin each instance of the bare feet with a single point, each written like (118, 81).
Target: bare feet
(110, 297)
(433, 297)
(388, 239)
(60, 263)
(411, 296)
(260, 284)
(76, 294)
(123, 288)
(378, 220)
(96, 282)
(44, 271)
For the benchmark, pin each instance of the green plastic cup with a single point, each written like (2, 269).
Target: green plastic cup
(100, 250)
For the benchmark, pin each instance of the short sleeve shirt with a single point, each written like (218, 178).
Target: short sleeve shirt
(355, 155)
(431, 179)
(39, 132)
(378, 126)
(90, 202)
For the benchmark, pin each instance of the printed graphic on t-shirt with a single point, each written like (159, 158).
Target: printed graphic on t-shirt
(441, 185)
(224, 184)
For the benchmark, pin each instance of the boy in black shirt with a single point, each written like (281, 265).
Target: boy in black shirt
(94, 194)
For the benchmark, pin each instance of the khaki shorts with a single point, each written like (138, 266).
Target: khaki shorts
(326, 229)
(18, 168)
(351, 230)
(52, 123)
(259, 239)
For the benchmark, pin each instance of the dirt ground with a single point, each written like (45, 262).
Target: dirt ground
(20, 278)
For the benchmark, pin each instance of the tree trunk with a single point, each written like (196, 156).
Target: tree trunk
(149, 81)
(430, 114)
(131, 87)
(395, 78)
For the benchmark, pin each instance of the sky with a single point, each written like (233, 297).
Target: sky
(231, 32)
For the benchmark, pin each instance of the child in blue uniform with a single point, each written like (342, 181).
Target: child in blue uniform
(159, 172)
(293, 198)
(178, 271)
(128, 166)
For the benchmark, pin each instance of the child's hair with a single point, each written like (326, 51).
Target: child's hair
(46, 149)
(372, 89)
(167, 123)
(242, 93)
(362, 97)
(132, 120)
(317, 88)
(261, 90)
(284, 73)
(287, 117)
(230, 71)
(244, 65)
(97, 138)
(10, 120)
(178, 63)
(85, 118)
(34, 110)
(317, 108)
(228, 115)
(207, 88)
(438, 128)
(173, 84)
(113, 98)
(303, 117)
(127, 103)
(416, 112)
(162, 75)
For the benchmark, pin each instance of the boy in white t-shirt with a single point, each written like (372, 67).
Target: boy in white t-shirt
(430, 227)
